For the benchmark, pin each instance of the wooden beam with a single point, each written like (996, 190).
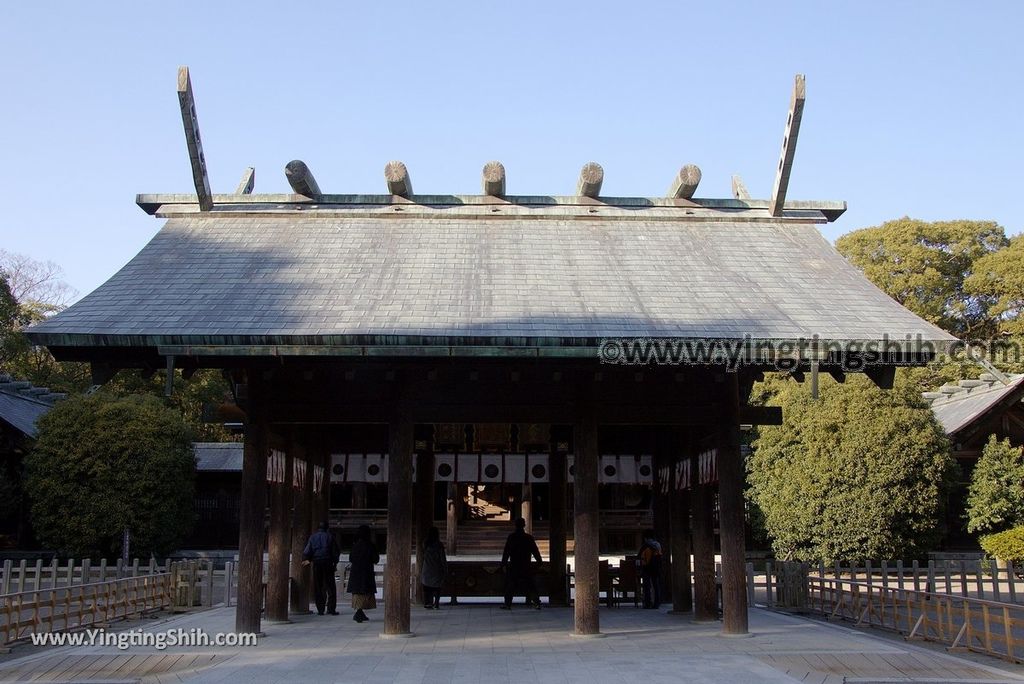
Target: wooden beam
(731, 521)
(705, 594)
(739, 190)
(591, 178)
(251, 507)
(301, 179)
(557, 530)
(303, 470)
(247, 183)
(685, 183)
(279, 544)
(398, 180)
(494, 179)
(189, 119)
(796, 112)
(883, 376)
(398, 571)
(586, 619)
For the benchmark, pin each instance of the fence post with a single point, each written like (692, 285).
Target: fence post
(103, 570)
(38, 584)
(1011, 577)
(69, 574)
(769, 580)
(750, 584)
(135, 568)
(996, 567)
(899, 572)
(208, 585)
(931, 577)
(86, 570)
(6, 587)
(229, 570)
(885, 575)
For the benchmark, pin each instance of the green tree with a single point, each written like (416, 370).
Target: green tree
(924, 266)
(12, 343)
(859, 473)
(102, 464)
(999, 277)
(995, 500)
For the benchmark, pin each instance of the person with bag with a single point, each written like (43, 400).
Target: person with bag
(649, 560)
(322, 551)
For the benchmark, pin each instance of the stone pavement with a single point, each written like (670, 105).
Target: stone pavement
(479, 643)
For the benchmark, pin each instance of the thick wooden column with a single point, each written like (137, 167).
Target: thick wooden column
(526, 507)
(398, 571)
(731, 521)
(423, 490)
(453, 501)
(301, 528)
(557, 528)
(279, 543)
(679, 544)
(587, 620)
(251, 507)
(705, 596)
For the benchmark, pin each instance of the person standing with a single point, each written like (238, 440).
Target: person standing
(362, 580)
(520, 548)
(322, 551)
(433, 569)
(649, 559)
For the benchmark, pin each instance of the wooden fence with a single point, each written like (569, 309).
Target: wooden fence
(961, 622)
(75, 606)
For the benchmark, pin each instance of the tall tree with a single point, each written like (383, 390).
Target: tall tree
(999, 278)
(995, 501)
(102, 464)
(923, 266)
(860, 473)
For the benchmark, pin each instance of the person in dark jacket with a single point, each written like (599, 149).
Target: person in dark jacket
(362, 582)
(649, 560)
(520, 548)
(433, 569)
(322, 551)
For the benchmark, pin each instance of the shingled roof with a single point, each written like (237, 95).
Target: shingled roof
(478, 271)
(22, 404)
(958, 406)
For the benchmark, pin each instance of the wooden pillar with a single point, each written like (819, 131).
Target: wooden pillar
(731, 521)
(661, 516)
(526, 507)
(557, 528)
(705, 596)
(452, 519)
(279, 542)
(587, 620)
(424, 501)
(398, 570)
(679, 545)
(252, 504)
(301, 528)
(320, 509)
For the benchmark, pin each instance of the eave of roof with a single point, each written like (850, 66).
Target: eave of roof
(962, 407)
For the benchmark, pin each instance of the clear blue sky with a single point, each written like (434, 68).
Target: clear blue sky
(912, 108)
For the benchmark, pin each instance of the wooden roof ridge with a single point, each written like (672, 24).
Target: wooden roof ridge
(675, 208)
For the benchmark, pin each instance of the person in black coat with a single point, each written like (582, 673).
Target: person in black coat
(362, 581)
(520, 548)
(322, 551)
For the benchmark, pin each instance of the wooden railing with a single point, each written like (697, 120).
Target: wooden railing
(960, 622)
(70, 607)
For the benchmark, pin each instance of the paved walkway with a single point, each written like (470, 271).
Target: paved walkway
(479, 643)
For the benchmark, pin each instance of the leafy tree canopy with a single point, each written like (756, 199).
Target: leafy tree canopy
(924, 266)
(858, 474)
(999, 277)
(102, 464)
(995, 500)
